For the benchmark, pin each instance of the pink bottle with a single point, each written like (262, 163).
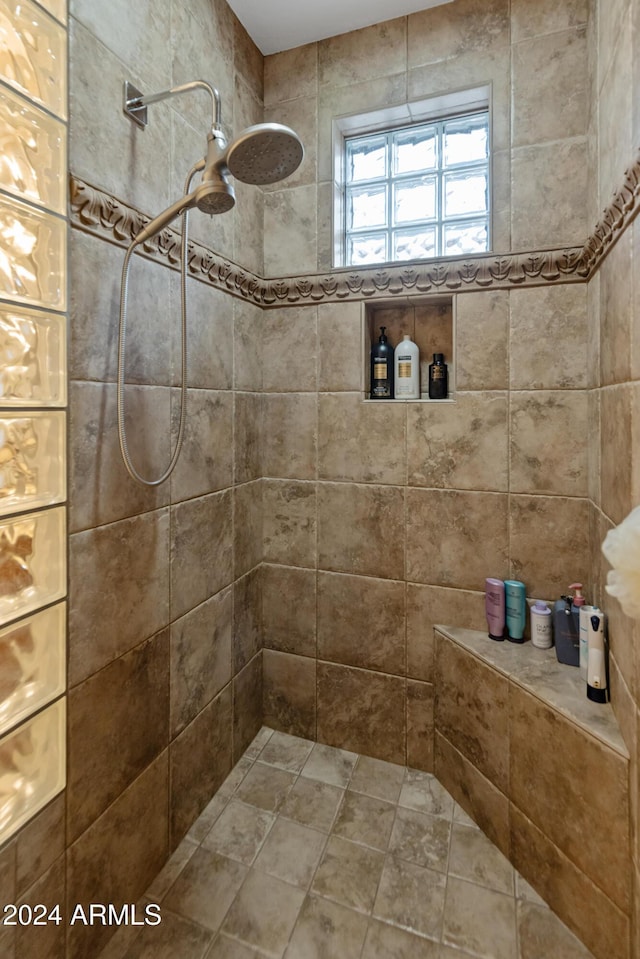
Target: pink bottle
(495, 607)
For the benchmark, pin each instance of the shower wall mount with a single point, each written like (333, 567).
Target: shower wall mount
(261, 154)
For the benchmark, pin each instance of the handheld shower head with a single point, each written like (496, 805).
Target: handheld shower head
(211, 196)
(214, 196)
(264, 153)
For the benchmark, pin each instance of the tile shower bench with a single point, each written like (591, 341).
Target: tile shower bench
(544, 772)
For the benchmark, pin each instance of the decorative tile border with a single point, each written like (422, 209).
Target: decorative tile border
(105, 216)
(108, 218)
(451, 276)
(617, 216)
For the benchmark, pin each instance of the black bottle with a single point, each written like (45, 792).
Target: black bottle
(438, 378)
(382, 368)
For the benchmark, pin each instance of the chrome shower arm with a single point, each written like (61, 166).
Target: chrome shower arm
(135, 103)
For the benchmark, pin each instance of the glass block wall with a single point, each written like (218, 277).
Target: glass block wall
(33, 301)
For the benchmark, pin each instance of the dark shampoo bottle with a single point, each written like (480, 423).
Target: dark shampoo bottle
(438, 378)
(382, 368)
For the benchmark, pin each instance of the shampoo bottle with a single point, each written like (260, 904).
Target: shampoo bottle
(583, 628)
(438, 378)
(382, 368)
(407, 370)
(597, 665)
(541, 628)
(516, 604)
(566, 627)
(495, 607)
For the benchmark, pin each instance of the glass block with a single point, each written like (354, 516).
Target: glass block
(32, 562)
(32, 767)
(366, 207)
(464, 238)
(414, 244)
(414, 200)
(414, 150)
(371, 248)
(32, 463)
(33, 162)
(32, 358)
(33, 54)
(58, 8)
(32, 255)
(32, 665)
(466, 140)
(465, 193)
(366, 158)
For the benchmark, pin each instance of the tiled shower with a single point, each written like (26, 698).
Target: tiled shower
(291, 571)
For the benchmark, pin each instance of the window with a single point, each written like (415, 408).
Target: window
(413, 190)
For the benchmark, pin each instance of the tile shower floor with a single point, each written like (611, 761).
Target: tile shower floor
(310, 852)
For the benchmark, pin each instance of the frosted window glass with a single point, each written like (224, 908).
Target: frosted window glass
(32, 562)
(32, 470)
(465, 193)
(32, 358)
(466, 140)
(461, 239)
(32, 767)
(414, 200)
(370, 248)
(414, 245)
(32, 664)
(366, 207)
(366, 159)
(427, 185)
(32, 255)
(33, 163)
(415, 150)
(33, 54)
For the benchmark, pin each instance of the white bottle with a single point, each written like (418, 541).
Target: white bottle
(407, 370)
(597, 664)
(585, 614)
(541, 630)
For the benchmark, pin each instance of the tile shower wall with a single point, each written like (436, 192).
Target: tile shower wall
(614, 366)
(164, 649)
(381, 519)
(534, 57)
(347, 521)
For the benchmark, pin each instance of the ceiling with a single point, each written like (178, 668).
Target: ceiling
(276, 25)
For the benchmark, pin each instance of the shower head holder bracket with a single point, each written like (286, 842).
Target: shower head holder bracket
(135, 103)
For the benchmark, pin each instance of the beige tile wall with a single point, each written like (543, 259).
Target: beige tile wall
(410, 506)
(165, 638)
(548, 378)
(615, 369)
(536, 62)
(551, 794)
(339, 519)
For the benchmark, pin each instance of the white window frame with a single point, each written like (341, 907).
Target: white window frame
(444, 107)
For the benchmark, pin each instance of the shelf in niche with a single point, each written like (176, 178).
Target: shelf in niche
(430, 321)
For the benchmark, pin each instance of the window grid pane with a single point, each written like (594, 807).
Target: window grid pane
(434, 178)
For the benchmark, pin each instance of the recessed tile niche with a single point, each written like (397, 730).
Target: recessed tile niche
(430, 322)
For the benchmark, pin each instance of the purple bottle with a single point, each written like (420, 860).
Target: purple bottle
(495, 608)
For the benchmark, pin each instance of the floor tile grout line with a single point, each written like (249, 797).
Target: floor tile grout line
(252, 758)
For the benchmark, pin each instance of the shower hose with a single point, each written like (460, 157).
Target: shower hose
(122, 334)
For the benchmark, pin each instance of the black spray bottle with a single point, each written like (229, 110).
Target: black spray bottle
(382, 368)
